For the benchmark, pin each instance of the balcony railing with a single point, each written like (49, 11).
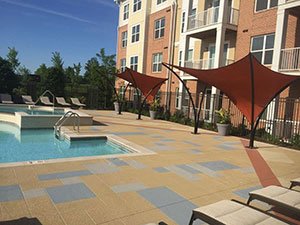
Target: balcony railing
(211, 16)
(290, 59)
(205, 64)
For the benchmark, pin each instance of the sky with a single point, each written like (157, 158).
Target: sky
(78, 29)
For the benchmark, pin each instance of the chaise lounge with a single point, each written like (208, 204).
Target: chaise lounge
(27, 99)
(6, 99)
(76, 102)
(280, 197)
(45, 100)
(233, 213)
(61, 101)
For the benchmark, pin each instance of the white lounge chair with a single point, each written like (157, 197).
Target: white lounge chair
(278, 196)
(27, 100)
(295, 182)
(6, 99)
(45, 100)
(61, 101)
(232, 213)
(75, 101)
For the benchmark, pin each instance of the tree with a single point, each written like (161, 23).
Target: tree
(43, 72)
(57, 61)
(54, 81)
(8, 79)
(12, 57)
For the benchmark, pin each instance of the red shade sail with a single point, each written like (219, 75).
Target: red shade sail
(148, 85)
(249, 85)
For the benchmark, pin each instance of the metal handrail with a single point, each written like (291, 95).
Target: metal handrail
(63, 119)
(45, 92)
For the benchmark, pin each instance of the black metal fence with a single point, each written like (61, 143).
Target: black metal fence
(280, 122)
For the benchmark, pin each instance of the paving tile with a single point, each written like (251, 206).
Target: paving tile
(195, 151)
(71, 180)
(128, 187)
(10, 193)
(101, 168)
(204, 170)
(244, 193)
(226, 147)
(161, 148)
(70, 192)
(34, 193)
(183, 173)
(173, 205)
(67, 174)
(188, 169)
(167, 140)
(191, 143)
(247, 170)
(219, 165)
(128, 133)
(135, 164)
(156, 136)
(117, 162)
(161, 170)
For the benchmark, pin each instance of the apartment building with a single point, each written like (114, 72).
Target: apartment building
(206, 34)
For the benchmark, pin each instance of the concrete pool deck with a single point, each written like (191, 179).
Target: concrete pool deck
(186, 172)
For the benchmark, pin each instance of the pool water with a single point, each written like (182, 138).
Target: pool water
(32, 111)
(31, 145)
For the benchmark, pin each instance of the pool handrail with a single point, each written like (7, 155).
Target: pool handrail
(63, 119)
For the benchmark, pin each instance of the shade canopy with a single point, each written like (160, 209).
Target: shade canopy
(148, 85)
(247, 83)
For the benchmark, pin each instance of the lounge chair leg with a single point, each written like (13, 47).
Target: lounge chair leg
(192, 219)
(249, 199)
(292, 185)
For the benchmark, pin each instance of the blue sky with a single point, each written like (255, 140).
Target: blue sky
(75, 28)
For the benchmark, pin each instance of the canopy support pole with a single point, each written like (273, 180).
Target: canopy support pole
(190, 96)
(252, 134)
(201, 101)
(138, 93)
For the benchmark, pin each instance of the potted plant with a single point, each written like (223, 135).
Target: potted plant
(153, 108)
(116, 104)
(223, 121)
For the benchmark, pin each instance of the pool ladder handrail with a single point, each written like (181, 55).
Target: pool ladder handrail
(63, 119)
(45, 92)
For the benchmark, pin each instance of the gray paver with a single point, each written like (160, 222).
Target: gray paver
(34, 193)
(67, 174)
(101, 168)
(128, 187)
(10, 193)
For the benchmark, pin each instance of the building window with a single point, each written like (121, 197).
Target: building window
(180, 58)
(160, 1)
(265, 4)
(137, 5)
(159, 28)
(134, 63)
(156, 62)
(124, 39)
(262, 48)
(177, 98)
(135, 37)
(190, 55)
(126, 12)
(182, 22)
(123, 65)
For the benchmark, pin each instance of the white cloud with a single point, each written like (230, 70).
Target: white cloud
(48, 11)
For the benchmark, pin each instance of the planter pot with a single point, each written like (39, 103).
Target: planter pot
(117, 107)
(152, 115)
(223, 129)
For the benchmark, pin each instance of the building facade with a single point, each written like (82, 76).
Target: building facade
(206, 34)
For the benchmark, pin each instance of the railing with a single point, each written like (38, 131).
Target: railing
(65, 118)
(211, 16)
(205, 64)
(290, 59)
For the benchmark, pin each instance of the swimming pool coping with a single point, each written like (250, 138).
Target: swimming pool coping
(134, 149)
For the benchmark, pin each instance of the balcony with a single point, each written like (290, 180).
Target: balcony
(290, 60)
(205, 64)
(210, 17)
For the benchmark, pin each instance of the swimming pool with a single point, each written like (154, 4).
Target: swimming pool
(30, 110)
(40, 144)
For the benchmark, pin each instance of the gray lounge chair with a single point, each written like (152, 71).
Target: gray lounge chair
(232, 213)
(295, 182)
(278, 196)
(27, 100)
(6, 99)
(61, 101)
(75, 101)
(45, 100)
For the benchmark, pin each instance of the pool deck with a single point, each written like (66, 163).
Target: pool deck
(186, 172)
